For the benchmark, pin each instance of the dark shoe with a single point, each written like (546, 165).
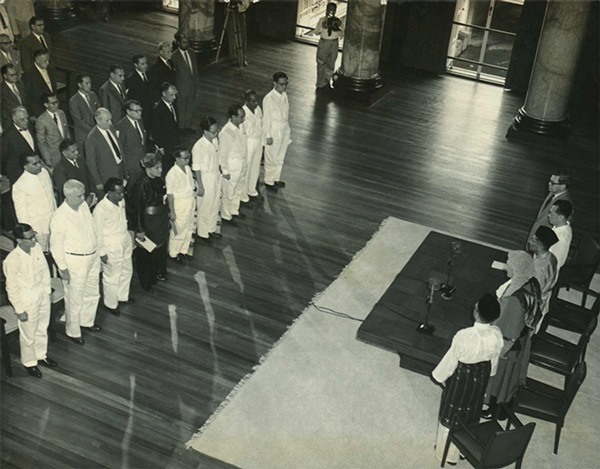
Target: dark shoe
(280, 183)
(272, 188)
(77, 340)
(487, 414)
(179, 259)
(231, 222)
(33, 371)
(187, 257)
(241, 216)
(94, 328)
(130, 301)
(47, 362)
(113, 311)
(207, 241)
(161, 277)
(215, 235)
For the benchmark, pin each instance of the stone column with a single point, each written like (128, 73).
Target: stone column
(545, 109)
(57, 9)
(197, 21)
(359, 75)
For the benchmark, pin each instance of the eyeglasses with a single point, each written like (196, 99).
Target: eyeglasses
(136, 110)
(283, 84)
(554, 183)
(6, 42)
(30, 237)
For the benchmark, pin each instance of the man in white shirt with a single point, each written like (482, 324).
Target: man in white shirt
(115, 245)
(276, 127)
(232, 158)
(51, 129)
(74, 246)
(558, 217)
(205, 164)
(33, 197)
(182, 204)
(253, 128)
(28, 289)
(465, 369)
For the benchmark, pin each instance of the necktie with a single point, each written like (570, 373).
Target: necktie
(187, 59)
(144, 79)
(75, 163)
(87, 101)
(121, 91)
(43, 42)
(172, 109)
(16, 92)
(114, 145)
(548, 201)
(58, 124)
(137, 127)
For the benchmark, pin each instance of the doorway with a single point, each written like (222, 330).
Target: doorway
(483, 32)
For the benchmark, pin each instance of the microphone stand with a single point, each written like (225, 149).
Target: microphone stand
(425, 327)
(447, 288)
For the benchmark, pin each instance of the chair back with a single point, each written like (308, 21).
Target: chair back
(583, 265)
(585, 338)
(573, 384)
(506, 447)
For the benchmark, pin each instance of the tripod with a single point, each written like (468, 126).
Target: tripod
(237, 36)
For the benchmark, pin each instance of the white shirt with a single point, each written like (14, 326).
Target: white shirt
(34, 200)
(180, 183)
(45, 76)
(205, 156)
(111, 223)
(137, 127)
(253, 125)
(86, 98)
(276, 110)
(232, 147)
(27, 136)
(27, 276)
(481, 342)
(72, 231)
(561, 248)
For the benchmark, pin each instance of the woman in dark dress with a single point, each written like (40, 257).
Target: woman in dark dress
(148, 217)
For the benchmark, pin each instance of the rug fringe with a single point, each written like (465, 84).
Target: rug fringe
(266, 355)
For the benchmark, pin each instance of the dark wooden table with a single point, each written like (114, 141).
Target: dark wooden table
(392, 322)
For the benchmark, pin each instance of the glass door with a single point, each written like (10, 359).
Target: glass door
(481, 42)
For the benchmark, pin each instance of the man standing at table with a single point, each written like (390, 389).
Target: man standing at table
(465, 369)
(114, 242)
(74, 246)
(276, 126)
(28, 289)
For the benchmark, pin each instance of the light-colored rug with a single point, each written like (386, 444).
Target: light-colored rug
(322, 399)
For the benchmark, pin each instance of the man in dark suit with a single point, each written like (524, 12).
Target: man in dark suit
(140, 87)
(112, 93)
(12, 93)
(72, 166)
(103, 152)
(82, 107)
(17, 139)
(165, 131)
(186, 80)
(37, 40)
(163, 70)
(38, 81)
(133, 138)
(8, 55)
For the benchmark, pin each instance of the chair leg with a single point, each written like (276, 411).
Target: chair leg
(557, 436)
(446, 448)
(518, 462)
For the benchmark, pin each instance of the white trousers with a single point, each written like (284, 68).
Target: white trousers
(275, 154)
(207, 215)
(117, 272)
(442, 436)
(179, 243)
(33, 333)
(82, 292)
(253, 156)
(233, 189)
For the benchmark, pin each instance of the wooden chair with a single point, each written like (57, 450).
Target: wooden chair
(559, 355)
(568, 316)
(488, 445)
(547, 403)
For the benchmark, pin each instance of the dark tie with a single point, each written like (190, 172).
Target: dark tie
(548, 201)
(144, 79)
(122, 92)
(75, 163)
(114, 145)
(187, 59)
(55, 119)
(137, 127)
(172, 109)
(43, 42)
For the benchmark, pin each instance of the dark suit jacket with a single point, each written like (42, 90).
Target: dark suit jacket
(185, 81)
(64, 170)
(83, 116)
(100, 159)
(165, 131)
(161, 73)
(112, 100)
(8, 101)
(30, 44)
(13, 145)
(142, 91)
(134, 148)
(35, 87)
(542, 216)
(15, 59)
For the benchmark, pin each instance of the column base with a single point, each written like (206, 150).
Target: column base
(365, 91)
(58, 10)
(524, 127)
(203, 47)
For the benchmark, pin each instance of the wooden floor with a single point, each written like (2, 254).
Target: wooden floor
(432, 151)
